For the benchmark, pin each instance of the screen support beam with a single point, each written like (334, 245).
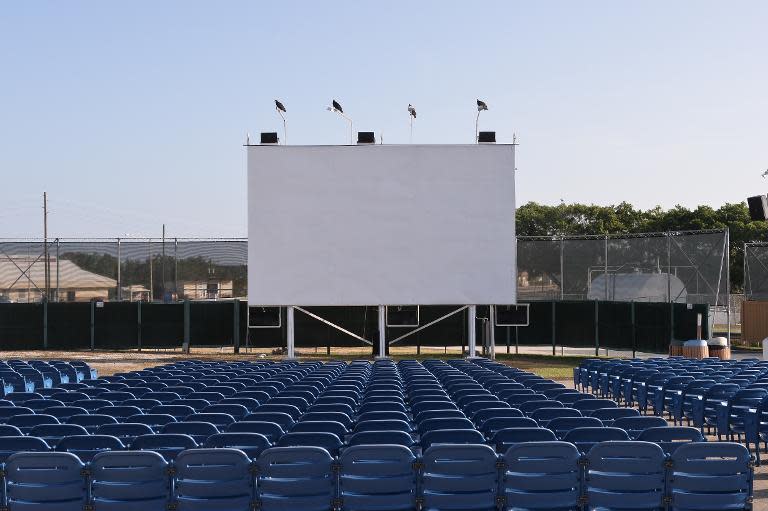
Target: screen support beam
(333, 325)
(382, 332)
(471, 331)
(289, 330)
(422, 327)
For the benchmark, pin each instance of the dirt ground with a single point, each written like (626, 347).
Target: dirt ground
(110, 362)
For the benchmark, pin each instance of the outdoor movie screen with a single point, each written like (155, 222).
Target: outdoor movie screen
(381, 225)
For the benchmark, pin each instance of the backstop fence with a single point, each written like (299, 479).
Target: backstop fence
(756, 271)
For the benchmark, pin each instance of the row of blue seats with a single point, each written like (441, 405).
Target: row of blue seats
(729, 397)
(18, 375)
(536, 475)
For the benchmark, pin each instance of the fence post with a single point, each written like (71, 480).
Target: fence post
(597, 324)
(185, 343)
(93, 325)
(138, 325)
(634, 330)
(554, 328)
(45, 324)
(507, 330)
(236, 326)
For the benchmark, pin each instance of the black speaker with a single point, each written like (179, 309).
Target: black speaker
(486, 137)
(366, 137)
(269, 138)
(758, 207)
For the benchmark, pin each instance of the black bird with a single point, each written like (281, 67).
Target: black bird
(481, 106)
(337, 106)
(411, 111)
(279, 106)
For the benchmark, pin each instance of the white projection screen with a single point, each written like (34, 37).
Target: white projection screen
(381, 225)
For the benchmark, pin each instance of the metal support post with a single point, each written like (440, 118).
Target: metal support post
(471, 331)
(138, 325)
(554, 328)
(597, 326)
(289, 332)
(185, 345)
(93, 325)
(634, 330)
(492, 331)
(382, 332)
(236, 325)
(45, 324)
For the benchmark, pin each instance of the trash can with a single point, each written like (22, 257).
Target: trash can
(695, 349)
(718, 347)
(676, 348)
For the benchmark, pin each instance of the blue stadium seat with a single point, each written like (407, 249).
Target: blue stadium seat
(143, 404)
(6, 430)
(166, 445)
(562, 425)
(327, 441)
(200, 431)
(585, 438)
(377, 477)
(234, 410)
(625, 474)
(451, 436)
(544, 415)
(179, 412)
(542, 476)
(608, 415)
(295, 478)
(283, 419)
(125, 432)
(45, 481)
(669, 438)
(480, 416)
(214, 480)
(26, 422)
(91, 405)
(336, 428)
(383, 425)
(710, 477)
(252, 444)
(52, 433)
(220, 420)
(91, 422)
(271, 430)
(459, 477)
(127, 481)
(119, 412)
(381, 437)
(636, 425)
(156, 421)
(13, 444)
(503, 439)
(86, 447)
(444, 423)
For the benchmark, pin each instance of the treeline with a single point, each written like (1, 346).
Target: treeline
(581, 219)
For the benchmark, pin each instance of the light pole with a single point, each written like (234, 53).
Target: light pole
(480, 107)
(336, 107)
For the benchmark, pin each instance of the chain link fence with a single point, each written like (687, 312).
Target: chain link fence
(678, 267)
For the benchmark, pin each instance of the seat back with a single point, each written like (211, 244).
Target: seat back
(295, 478)
(126, 432)
(381, 437)
(542, 475)
(636, 425)
(124, 481)
(45, 480)
(86, 447)
(585, 438)
(213, 479)
(252, 444)
(625, 475)
(375, 477)
(12, 444)
(711, 476)
(168, 445)
(562, 425)
(327, 441)
(669, 438)
(506, 438)
(459, 477)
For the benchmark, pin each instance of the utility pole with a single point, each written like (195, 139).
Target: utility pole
(163, 265)
(46, 262)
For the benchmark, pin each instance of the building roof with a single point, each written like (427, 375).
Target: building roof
(22, 269)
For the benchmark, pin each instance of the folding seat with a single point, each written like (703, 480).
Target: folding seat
(91, 422)
(329, 416)
(546, 385)
(299, 402)
(114, 385)
(163, 396)
(234, 410)
(434, 414)
(444, 423)
(86, 447)
(585, 438)
(517, 400)
(144, 404)
(295, 478)
(503, 439)
(451, 436)
(589, 405)
(117, 397)
(669, 438)
(69, 397)
(250, 404)
(543, 415)
(211, 397)
(731, 415)
(167, 445)
(91, 405)
(181, 391)
(125, 432)
(422, 406)
(466, 399)
(704, 410)
(459, 477)
(7, 430)
(258, 395)
(383, 406)
(93, 392)
(155, 385)
(470, 408)
(17, 443)
(711, 476)
(45, 481)
(327, 441)
(494, 424)
(383, 425)
(154, 420)
(635, 425)
(625, 474)
(213, 479)
(65, 412)
(40, 405)
(560, 426)
(12, 411)
(376, 477)
(337, 428)
(26, 422)
(252, 444)
(53, 433)
(283, 419)
(344, 408)
(541, 475)
(381, 438)
(126, 481)
(119, 412)
(19, 398)
(291, 410)
(531, 406)
(200, 431)
(608, 415)
(178, 412)
(270, 430)
(222, 389)
(220, 420)
(569, 399)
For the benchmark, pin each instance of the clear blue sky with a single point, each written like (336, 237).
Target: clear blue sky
(131, 114)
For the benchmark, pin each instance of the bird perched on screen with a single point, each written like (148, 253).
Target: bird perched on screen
(280, 107)
(764, 173)
(337, 106)
(411, 110)
(481, 106)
